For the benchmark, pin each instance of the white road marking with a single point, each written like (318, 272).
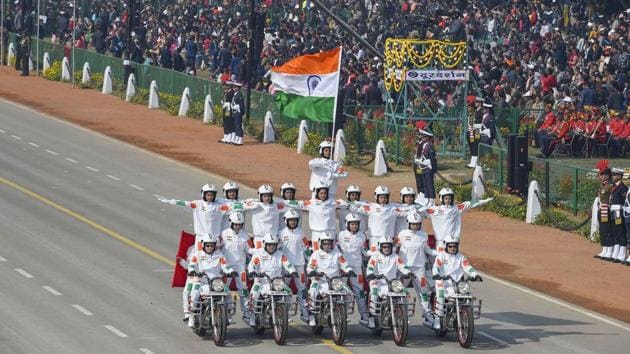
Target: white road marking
(51, 290)
(52, 152)
(24, 273)
(136, 187)
(2, 259)
(82, 310)
(116, 331)
(2, 131)
(92, 168)
(557, 302)
(161, 270)
(33, 144)
(71, 160)
(493, 338)
(16, 137)
(158, 196)
(146, 351)
(113, 177)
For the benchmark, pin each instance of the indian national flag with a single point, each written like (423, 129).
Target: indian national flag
(306, 86)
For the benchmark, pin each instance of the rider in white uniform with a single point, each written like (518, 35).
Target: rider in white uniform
(235, 246)
(293, 243)
(414, 250)
(450, 263)
(325, 170)
(353, 244)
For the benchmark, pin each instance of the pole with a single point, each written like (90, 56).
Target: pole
(250, 58)
(74, 30)
(2, 34)
(334, 117)
(349, 29)
(37, 41)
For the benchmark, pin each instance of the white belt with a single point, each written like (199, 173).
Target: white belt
(615, 207)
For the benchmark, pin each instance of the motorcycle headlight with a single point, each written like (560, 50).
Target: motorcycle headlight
(278, 285)
(217, 285)
(463, 288)
(397, 286)
(337, 284)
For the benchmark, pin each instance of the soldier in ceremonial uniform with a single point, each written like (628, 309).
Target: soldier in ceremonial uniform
(617, 224)
(475, 118)
(228, 126)
(603, 211)
(426, 165)
(237, 107)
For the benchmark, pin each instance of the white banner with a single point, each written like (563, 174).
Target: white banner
(436, 75)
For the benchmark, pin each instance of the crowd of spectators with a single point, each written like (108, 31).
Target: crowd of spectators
(569, 54)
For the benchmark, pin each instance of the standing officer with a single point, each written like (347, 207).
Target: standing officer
(488, 127)
(25, 48)
(228, 126)
(617, 201)
(426, 164)
(475, 118)
(603, 212)
(237, 106)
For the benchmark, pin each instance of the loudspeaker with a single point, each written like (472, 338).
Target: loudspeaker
(521, 166)
(511, 162)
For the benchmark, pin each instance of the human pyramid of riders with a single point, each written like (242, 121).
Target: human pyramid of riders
(378, 242)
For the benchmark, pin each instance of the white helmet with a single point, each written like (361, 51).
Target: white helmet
(291, 214)
(450, 239)
(237, 218)
(385, 240)
(327, 236)
(324, 144)
(209, 238)
(414, 218)
(446, 191)
(285, 186)
(228, 186)
(265, 189)
(352, 217)
(270, 239)
(407, 191)
(321, 185)
(353, 188)
(208, 188)
(381, 190)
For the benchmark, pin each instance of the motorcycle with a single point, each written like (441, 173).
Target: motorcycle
(392, 311)
(273, 308)
(215, 309)
(461, 311)
(331, 309)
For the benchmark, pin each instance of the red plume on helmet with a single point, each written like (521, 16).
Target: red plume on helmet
(420, 125)
(602, 166)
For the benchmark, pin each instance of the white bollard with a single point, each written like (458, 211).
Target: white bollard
(478, 189)
(533, 202)
(87, 74)
(380, 167)
(12, 54)
(65, 69)
(594, 222)
(340, 146)
(154, 98)
(131, 87)
(269, 136)
(302, 136)
(208, 110)
(46, 65)
(107, 81)
(184, 103)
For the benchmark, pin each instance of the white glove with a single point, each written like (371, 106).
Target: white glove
(183, 263)
(168, 201)
(485, 132)
(226, 105)
(477, 126)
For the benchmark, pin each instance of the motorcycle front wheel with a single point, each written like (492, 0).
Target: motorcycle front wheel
(400, 327)
(281, 325)
(340, 324)
(466, 327)
(219, 327)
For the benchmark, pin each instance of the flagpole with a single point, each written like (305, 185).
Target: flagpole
(336, 96)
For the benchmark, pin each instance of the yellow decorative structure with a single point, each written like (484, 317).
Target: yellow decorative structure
(403, 54)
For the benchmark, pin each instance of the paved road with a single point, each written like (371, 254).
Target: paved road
(85, 247)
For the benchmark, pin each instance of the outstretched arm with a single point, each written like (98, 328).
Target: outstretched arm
(177, 202)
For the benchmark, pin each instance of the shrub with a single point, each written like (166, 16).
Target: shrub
(54, 73)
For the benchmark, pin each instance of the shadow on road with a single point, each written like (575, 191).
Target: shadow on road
(527, 320)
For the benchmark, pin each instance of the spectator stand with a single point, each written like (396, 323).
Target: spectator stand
(428, 80)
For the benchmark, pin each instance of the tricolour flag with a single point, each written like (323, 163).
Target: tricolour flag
(306, 86)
